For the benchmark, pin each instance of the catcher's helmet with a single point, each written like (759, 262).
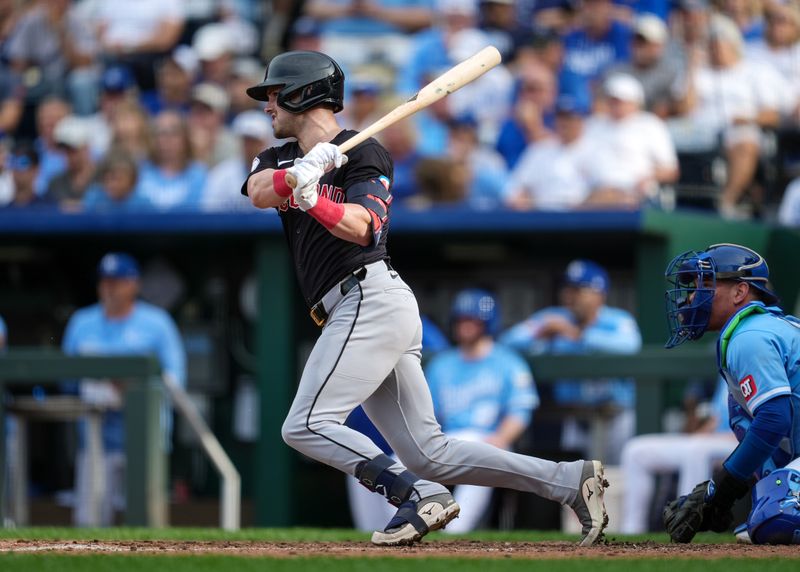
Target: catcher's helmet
(478, 305)
(692, 278)
(775, 516)
(307, 79)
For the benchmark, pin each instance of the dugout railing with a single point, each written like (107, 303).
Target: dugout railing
(146, 467)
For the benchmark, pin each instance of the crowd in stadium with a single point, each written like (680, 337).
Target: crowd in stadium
(110, 105)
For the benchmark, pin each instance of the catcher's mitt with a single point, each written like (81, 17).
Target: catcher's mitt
(693, 513)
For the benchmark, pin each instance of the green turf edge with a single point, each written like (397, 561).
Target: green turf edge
(311, 535)
(216, 563)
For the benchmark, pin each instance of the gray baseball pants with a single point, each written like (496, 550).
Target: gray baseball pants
(369, 354)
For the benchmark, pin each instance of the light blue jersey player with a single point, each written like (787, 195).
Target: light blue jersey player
(481, 391)
(582, 324)
(726, 288)
(119, 324)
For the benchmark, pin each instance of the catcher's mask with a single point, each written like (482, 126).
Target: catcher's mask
(692, 280)
(307, 79)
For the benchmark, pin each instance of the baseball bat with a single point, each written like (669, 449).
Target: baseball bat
(455, 78)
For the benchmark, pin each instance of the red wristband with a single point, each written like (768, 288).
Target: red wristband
(327, 212)
(279, 184)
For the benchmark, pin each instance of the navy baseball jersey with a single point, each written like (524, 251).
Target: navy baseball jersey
(321, 259)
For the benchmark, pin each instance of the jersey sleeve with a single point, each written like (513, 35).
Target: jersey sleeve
(755, 360)
(367, 182)
(171, 352)
(521, 396)
(267, 159)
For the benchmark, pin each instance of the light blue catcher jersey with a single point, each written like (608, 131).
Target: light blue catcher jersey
(758, 353)
(147, 330)
(614, 331)
(478, 394)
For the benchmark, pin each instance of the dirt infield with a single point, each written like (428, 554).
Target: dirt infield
(455, 548)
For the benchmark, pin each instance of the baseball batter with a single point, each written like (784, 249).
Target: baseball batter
(336, 221)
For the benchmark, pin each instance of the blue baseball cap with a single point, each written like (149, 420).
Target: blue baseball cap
(572, 104)
(117, 79)
(586, 274)
(117, 265)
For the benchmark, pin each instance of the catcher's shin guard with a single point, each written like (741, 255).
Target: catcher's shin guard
(376, 476)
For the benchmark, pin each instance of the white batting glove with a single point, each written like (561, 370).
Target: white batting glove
(305, 173)
(326, 156)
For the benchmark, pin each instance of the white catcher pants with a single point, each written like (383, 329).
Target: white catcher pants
(693, 456)
(369, 353)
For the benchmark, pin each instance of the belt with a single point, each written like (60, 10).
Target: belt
(319, 311)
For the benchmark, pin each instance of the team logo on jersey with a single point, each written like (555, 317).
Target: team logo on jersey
(748, 387)
(334, 193)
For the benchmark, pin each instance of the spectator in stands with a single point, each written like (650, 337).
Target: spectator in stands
(583, 323)
(245, 72)
(364, 102)
(48, 41)
(498, 20)
(658, 74)
(115, 189)
(441, 181)
(485, 168)
(688, 43)
(532, 116)
(633, 154)
(481, 391)
(558, 15)
(117, 86)
(552, 173)
(380, 28)
(730, 100)
(543, 46)
(12, 100)
(594, 45)
(400, 140)
(255, 134)
(693, 454)
(780, 48)
(72, 135)
(214, 46)
(487, 98)
(175, 76)
(51, 159)
(171, 178)
(119, 324)
(305, 35)
(137, 34)
(130, 130)
(10, 12)
(24, 166)
(212, 141)
(746, 14)
(429, 53)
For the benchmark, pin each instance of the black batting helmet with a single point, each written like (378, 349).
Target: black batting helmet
(307, 79)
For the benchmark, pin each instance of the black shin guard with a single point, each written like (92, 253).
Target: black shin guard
(376, 476)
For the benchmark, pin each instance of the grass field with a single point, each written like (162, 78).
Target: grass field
(198, 550)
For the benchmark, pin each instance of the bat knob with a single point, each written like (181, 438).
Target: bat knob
(290, 180)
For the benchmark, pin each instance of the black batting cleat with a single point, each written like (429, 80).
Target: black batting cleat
(413, 520)
(589, 505)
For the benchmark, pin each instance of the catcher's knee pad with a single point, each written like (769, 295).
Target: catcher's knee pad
(376, 476)
(775, 516)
